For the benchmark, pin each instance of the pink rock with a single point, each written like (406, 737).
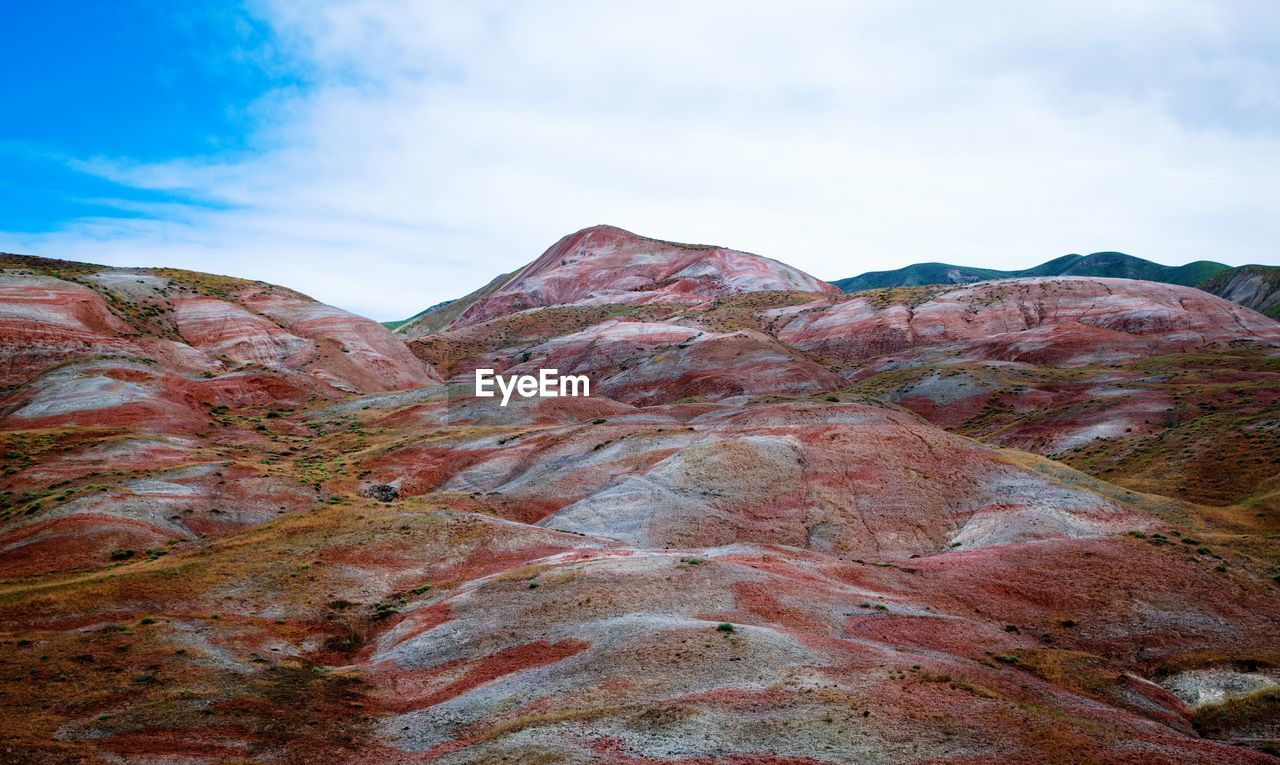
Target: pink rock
(604, 264)
(1066, 321)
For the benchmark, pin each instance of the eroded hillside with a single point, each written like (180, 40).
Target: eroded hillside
(1029, 521)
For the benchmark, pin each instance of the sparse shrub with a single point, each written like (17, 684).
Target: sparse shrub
(121, 554)
(725, 627)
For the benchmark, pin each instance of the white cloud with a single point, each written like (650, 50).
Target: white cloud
(439, 145)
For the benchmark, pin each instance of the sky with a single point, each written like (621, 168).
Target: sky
(385, 156)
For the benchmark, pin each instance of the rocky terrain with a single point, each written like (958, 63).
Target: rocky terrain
(1032, 520)
(1256, 287)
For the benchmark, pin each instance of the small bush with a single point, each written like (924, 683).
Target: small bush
(725, 627)
(121, 554)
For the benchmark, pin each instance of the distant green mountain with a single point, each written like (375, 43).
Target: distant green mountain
(1256, 287)
(394, 325)
(1113, 264)
(438, 316)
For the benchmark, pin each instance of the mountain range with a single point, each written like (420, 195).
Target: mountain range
(1030, 520)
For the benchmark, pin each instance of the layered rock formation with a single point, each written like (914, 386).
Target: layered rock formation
(604, 265)
(159, 368)
(1057, 322)
(1025, 521)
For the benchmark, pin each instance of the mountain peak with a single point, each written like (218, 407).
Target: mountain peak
(604, 263)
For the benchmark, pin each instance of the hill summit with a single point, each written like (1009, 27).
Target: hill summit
(609, 265)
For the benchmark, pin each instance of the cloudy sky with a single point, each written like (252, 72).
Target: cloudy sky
(384, 156)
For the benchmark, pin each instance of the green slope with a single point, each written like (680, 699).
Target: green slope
(1106, 264)
(438, 316)
(920, 273)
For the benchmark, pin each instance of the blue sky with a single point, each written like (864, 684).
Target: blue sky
(127, 79)
(384, 156)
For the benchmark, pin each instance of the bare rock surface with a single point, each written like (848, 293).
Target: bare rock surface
(1026, 521)
(607, 265)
